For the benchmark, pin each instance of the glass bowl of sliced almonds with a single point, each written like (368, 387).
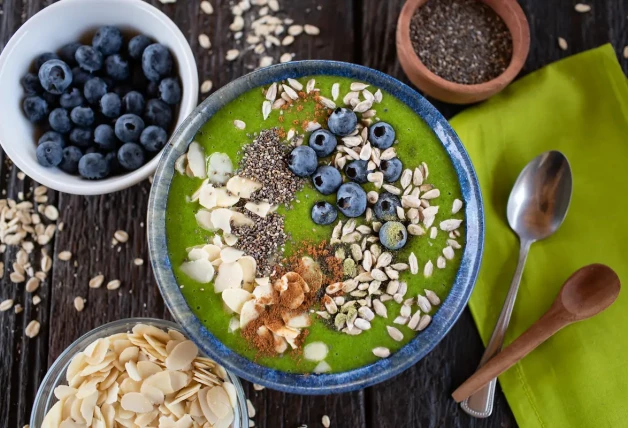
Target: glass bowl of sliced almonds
(138, 372)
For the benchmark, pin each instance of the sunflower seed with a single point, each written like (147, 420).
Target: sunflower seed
(372, 197)
(379, 275)
(366, 313)
(414, 264)
(457, 205)
(582, 8)
(309, 86)
(431, 194)
(392, 189)
(441, 262)
(384, 260)
(449, 225)
(271, 93)
(362, 324)
(367, 261)
(32, 329)
(417, 178)
(430, 211)
(239, 124)
(358, 86)
(266, 109)
(363, 229)
(335, 91)
(381, 352)
(388, 154)
(349, 96)
(432, 297)
(79, 303)
(414, 320)
(327, 102)
(562, 43)
(394, 333)
(380, 308)
(424, 322)
(428, 269)
(368, 114)
(330, 305)
(298, 86)
(416, 230)
(337, 229)
(377, 178)
(6, 305)
(423, 303)
(376, 225)
(410, 201)
(364, 276)
(363, 106)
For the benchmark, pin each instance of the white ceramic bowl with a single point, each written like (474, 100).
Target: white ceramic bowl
(64, 22)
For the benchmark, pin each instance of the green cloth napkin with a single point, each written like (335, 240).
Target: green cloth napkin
(579, 105)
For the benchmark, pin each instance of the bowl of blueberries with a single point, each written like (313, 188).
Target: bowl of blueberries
(92, 90)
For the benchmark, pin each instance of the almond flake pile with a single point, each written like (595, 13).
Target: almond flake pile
(148, 377)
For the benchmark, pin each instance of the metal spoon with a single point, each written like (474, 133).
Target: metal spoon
(537, 206)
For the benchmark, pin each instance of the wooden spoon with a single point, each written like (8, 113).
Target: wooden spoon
(587, 292)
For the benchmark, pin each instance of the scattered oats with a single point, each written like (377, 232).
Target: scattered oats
(582, 8)
(32, 329)
(21, 176)
(204, 42)
(265, 61)
(121, 236)
(311, 30)
(138, 262)
(258, 387)
(6, 305)
(325, 420)
(113, 285)
(562, 43)
(295, 30)
(18, 308)
(237, 24)
(206, 86)
(40, 190)
(626, 52)
(207, 7)
(60, 227)
(79, 303)
(232, 54)
(250, 408)
(394, 333)
(239, 124)
(287, 41)
(51, 213)
(32, 285)
(46, 263)
(96, 281)
(17, 277)
(414, 264)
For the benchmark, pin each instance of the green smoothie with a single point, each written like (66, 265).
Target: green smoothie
(416, 144)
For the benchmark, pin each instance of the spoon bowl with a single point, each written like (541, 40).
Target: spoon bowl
(588, 292)
(537, 206)
(540, 197)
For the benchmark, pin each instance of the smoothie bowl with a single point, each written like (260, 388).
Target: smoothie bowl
(316, 227)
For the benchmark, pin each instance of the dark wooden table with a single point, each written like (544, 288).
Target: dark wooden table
(357, 31)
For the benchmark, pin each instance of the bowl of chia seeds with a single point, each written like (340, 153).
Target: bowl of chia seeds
(462, 51)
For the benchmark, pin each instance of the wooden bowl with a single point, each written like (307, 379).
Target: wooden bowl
(456, 93)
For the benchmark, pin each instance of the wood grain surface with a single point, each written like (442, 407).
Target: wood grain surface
(351, 30)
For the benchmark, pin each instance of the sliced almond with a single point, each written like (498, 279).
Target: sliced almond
(235, 298)
(199, 270)
(182, 355)
(315, 351)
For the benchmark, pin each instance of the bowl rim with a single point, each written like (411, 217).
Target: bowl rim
(363, 376)
(55, 374)
(187, 66)
(519, 53)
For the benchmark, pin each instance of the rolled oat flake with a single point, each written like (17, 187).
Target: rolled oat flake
(463, 41)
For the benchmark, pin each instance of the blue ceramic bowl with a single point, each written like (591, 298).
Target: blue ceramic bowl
(362, 377)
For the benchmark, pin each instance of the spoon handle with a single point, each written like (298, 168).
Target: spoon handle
(539, 332)
(480, 404)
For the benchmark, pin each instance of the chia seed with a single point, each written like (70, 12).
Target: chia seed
(463, 41)
(262, 240)
(264, 161)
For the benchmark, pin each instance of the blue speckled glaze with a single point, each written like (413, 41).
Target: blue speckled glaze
(362, 377)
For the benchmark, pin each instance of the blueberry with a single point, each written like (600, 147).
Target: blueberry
(52, 136)
(357, 171)
(68, 52)
(105, 137)
(158, 113)
(81, 137)
(342, 121)
(156, 62)
(111, 105)
(326, 179)
(108, 40)
(117, 67)
(128, 128)
(41, 59)
(82, 116)
(88, 58)
(31, 85)
(137, 45)
(59, 120)
(49, 154)
(392, 169)
(302, 161)
(35, 108)
(153, 138)
(71, 99)
(323, 142)
(351, 200)
(386, 207)
(393, 235)
(80, 76)
(324, 213)
(381, 135)
(133, 103)
(131, 156)
(71, 157)
(55, 76)
(93, 166)
(170, 91)
(95, 88)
